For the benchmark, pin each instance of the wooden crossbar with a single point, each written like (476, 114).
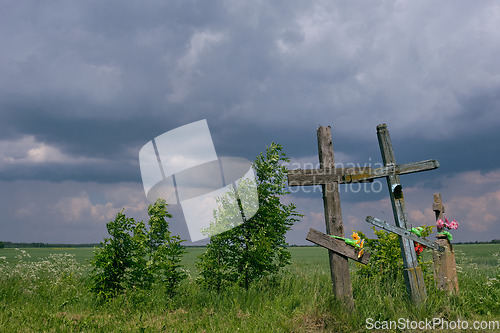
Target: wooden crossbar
(403, 233)
(301, 177)
(337, 245)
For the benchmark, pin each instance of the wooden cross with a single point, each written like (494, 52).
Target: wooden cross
(339, 266)
(414, 278)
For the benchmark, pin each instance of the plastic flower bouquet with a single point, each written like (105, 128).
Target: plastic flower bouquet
(444, 226)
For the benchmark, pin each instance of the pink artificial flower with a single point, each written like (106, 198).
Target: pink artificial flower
(440, 223)
(453, 225)
(447, 223)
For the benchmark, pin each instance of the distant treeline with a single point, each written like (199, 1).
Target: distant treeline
(495, 241)
(25, 245)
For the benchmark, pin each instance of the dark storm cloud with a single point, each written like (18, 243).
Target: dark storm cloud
(96, 79)
(84, 85)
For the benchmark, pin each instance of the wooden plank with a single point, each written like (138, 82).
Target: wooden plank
(404, 233)
(412, 273)
(339, 265)
(337, 245)
(402, 169)
(301, 177)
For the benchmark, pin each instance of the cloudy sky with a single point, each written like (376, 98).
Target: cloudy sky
(85, 84)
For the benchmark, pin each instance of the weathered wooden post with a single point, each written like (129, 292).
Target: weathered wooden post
(445, 268)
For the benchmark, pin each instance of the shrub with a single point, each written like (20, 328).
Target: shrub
(386, 260)
(132, 258)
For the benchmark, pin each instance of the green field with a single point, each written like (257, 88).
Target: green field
(49, 294)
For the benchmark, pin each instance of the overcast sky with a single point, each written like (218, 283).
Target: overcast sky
(85, 84)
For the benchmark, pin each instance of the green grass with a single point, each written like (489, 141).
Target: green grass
(53, 297)
(480, 254)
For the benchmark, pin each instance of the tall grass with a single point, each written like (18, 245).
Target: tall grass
(51, 294)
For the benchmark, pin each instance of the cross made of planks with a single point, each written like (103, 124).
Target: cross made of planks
(413, 276)
(330, 177)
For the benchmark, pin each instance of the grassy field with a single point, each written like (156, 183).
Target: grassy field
(45, 290)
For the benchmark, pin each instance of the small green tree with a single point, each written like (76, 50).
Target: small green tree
(165, 250)
(134, 257)
(257, 247)
(2, 245)
(119, 259)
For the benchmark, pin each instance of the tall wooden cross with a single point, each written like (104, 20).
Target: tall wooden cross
(339, 266)
(330, 177)
(412, 272)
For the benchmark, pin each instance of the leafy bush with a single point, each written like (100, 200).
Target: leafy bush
(386, 260)
(135, 257)
(257, 247)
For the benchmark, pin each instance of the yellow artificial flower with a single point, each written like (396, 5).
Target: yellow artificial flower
(361, 250)
(356, 238)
